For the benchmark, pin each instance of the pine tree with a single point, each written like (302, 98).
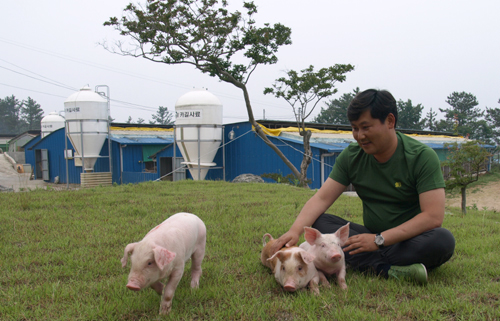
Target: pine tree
(431, 121)
(9, 115)
(336, 111)
(409, 115)
(162, 116)
(31, 114)
(463, 117)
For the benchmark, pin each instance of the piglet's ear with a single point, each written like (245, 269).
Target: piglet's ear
(280, 255)
(311, 235)
(307, 257)
(275, 255)
(163, 256)
(343, 234)
(128, 250)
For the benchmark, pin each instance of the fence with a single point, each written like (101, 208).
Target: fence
(484, 167)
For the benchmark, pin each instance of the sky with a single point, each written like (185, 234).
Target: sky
(422, 50)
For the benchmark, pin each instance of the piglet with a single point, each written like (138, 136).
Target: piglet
(327, 249)
(163, 253)
(292, 267)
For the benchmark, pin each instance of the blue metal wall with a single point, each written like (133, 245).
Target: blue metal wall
(248, 153)
(54, 144)
(30, 156)
(133, 164)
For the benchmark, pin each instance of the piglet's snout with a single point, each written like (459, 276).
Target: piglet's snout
(335, 257)
(133, 286)
(290, 286)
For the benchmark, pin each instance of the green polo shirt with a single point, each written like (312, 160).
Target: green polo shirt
(390, 190)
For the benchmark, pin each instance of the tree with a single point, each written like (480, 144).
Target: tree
(9, 115)
(302, 89)
(462, 118)
(31, 114)
(409, 115)
(129, 120)
(493, 119)
(162, 117)
(140, 120)
(445, 126)
(336, 111)
(430, 121)
(482, 132)
(465, 161)
(204, 34)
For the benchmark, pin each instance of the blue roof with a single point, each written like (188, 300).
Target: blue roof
(142, 140)
(331, 148)
(338, 147)
(435, 145)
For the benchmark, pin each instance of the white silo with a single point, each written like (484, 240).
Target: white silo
(87, 124)
(198, 132)
(52, 122)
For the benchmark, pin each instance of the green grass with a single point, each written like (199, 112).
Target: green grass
(60, 259)
(492, 176)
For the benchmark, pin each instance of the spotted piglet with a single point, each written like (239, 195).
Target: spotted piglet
(292, 267)
(163, 252)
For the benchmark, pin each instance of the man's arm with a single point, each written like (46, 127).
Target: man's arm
(314, 207)
(432, 205)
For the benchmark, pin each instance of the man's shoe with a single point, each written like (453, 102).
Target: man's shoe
(415, 272)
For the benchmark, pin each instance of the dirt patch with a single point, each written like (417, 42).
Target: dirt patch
(486, 196)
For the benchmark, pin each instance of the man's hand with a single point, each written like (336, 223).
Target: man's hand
(288, 239)
(360, 243)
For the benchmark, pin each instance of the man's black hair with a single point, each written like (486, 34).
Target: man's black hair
(381, 103)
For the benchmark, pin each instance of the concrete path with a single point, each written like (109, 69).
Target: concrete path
(11, 180)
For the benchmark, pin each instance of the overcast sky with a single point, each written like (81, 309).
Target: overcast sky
(420, 50)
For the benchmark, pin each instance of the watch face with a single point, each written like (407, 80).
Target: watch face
(379, 240)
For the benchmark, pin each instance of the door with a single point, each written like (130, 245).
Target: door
(166, 169)
(180, 172)
(45, 164)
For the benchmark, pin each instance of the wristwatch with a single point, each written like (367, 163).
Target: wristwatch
(379, 240)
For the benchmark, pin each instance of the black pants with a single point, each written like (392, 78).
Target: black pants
(432, 248)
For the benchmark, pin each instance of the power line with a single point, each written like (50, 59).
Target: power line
(55, 84)
(31, 72)
(36, 91)
(134, 75)
(59, 84)
(124, 104)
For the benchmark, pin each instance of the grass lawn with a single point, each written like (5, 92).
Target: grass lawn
(60, 258)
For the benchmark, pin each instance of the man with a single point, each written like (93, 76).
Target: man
(401, 185)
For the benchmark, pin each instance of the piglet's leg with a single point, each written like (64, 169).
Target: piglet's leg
(313, 285)
(168, 292)
(196, 259)
(341, 279)
(323, 280)
(158, 287)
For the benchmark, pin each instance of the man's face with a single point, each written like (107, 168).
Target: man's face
(373, 136)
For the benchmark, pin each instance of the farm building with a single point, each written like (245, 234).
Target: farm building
(146, 152)
(16, 144)
(4, 141)
(85, 148)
